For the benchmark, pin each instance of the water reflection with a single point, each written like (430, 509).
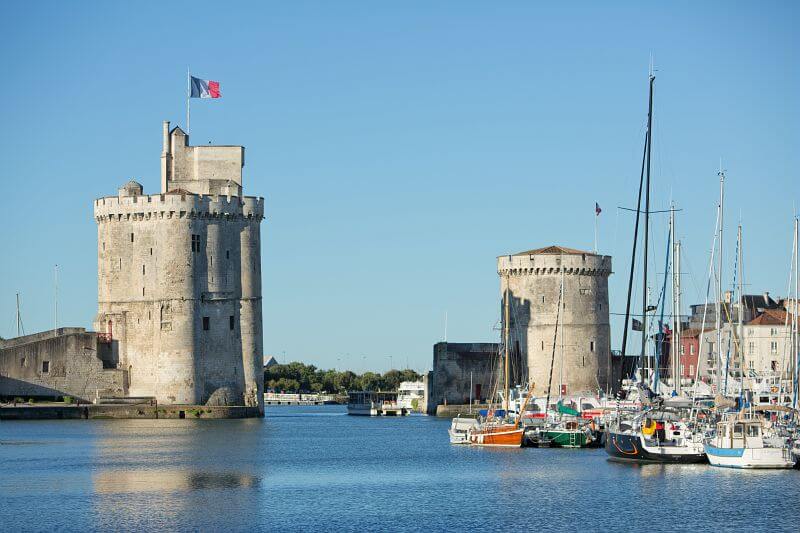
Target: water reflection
(122, 481)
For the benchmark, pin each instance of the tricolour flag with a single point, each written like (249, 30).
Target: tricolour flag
(597, 209)
(204, 88)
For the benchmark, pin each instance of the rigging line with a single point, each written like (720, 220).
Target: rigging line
(662, 303)
(728, 315)
(786, 319)
(555, 340)
(703, 323)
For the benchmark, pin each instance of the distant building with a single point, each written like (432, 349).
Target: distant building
(270, 362)
(750, 305)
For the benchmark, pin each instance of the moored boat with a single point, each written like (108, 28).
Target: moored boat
(741, 442)
(659, 436)
(460, 428)
(497, 433)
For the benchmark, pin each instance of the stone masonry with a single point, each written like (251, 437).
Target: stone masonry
(582, 347)
(179, 279)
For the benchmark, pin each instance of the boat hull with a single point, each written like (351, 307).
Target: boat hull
(501, 436)
(749, 458)
(629, 447)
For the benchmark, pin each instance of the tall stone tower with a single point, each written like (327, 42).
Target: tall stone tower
(533, 280)
(179, 279)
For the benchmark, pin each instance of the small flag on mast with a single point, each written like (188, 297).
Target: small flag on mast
(204, 88)
(597, 209)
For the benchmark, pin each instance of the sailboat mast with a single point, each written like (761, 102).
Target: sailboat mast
(794, 319)
(505, 345)
(678, 325)
(719, 279)
(740, 311)
(646, 226)
(674, 344)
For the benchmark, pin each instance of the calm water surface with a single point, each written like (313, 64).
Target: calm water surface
(314, 468)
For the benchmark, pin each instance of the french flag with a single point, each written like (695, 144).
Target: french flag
(204, 88)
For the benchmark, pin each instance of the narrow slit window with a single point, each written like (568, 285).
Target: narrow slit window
(131, 237)
(231, 322)
(205, 323)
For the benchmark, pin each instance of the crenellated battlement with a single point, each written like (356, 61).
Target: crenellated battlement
(581, 264)
(177, 205)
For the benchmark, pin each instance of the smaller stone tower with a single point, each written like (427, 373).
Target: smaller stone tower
(583, 344)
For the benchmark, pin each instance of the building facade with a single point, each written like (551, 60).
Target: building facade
(582, 346)
(179, 279)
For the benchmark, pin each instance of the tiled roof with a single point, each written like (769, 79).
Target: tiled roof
(770, 317)
(555, 250)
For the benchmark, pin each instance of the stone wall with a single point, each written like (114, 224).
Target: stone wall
(66, 362)
(449, 381)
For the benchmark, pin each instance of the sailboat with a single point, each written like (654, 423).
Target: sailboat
(500, 431)
(659, 432)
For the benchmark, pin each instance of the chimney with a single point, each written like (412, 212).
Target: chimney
(165, 143)
(165, 157)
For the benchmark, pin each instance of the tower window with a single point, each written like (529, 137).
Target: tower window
(230, 322)
(542, 299)
(227, 254)
(151, 251)
(142, 291)
(195, 243)
(142, 270)
(131, 237)
(104, 246)
(205, 323)
(591, 346)
(542, 345)
(45, 367)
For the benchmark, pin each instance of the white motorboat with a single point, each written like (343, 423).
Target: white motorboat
(460, 429)
(741, 443)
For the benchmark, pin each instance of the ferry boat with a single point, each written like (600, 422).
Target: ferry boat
(741, 442)
(370, 403)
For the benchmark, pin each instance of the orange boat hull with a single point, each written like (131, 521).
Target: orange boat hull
(509, 436)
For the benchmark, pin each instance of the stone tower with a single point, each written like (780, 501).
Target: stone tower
(179, 279)
(533, 279)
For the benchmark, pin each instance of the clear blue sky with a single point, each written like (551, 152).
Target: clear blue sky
(400, 147)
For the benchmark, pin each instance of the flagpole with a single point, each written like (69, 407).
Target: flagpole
(188, 96)
(595, 229)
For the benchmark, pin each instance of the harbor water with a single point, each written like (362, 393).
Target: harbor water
(315, 468)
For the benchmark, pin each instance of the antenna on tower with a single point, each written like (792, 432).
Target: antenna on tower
(55, 301)
(20, 327)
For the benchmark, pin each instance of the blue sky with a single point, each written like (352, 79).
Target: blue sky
(400, 147)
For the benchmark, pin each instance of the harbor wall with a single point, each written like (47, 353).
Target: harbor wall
(64, 362)
(454, 366)
(144, 411)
